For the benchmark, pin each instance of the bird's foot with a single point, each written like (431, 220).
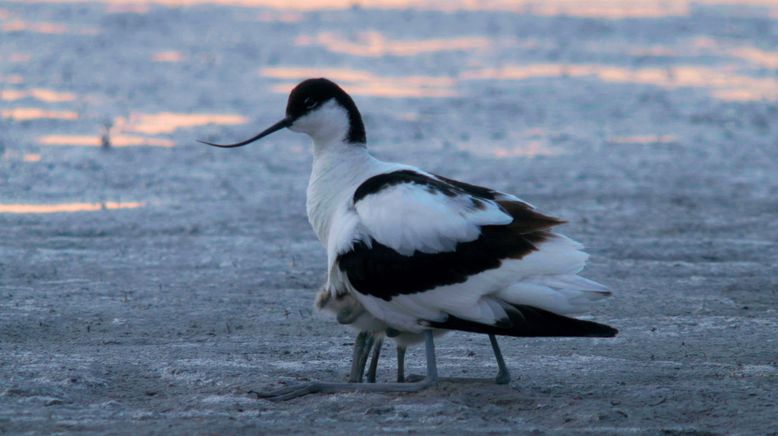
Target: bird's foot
(413, 378)
(288, 392)
(292, 392)
(503, 378)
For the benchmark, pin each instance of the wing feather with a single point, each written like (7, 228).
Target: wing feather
(426, 215)
(425, 248)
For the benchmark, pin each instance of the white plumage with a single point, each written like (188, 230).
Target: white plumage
(420, 252)
(408, 218)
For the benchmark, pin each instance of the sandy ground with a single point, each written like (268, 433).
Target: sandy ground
(191, 283)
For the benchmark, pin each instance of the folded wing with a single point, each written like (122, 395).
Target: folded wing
(426, 249)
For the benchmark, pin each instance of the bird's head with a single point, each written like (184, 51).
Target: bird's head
(345, 306)
(322, 110)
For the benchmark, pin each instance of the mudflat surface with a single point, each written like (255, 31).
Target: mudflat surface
(152, 285)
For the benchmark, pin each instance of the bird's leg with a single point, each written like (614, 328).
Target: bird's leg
(357, 362)
(371, 371)
(400, 364)
(369, 341)
(317, 387)
(503, 376)
(432, 364)
(368, 347)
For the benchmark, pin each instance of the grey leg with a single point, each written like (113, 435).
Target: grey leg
(432, 365)
(371, 371)
(316, 387)
(357, 362)
(365, 353)
(503, 376)
(400, 364)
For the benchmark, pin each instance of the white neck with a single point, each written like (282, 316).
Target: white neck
(338, 169)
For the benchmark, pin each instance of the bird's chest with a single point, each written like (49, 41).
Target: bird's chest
(336, 174)
(324, 197)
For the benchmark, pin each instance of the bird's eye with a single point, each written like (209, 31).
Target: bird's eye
(309, 102)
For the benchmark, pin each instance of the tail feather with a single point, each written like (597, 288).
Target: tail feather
(528, 321)
(567, 294)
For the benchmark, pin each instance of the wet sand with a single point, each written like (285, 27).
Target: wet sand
(151, 285)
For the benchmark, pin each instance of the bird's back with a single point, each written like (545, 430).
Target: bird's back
(420, 248)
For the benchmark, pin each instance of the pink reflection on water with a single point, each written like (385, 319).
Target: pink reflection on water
(280, 17)
(18, 26)
(43, 27)
(752, 55)
(118, 140)
(303, 5)
(46, 95)
(644, 139)
(392, 90)
(168, 122)
(31, 208)
(770, 6)
(374, 44)
(653, 51)
(516, 72)
(527, 149)
(19, 58)
(530, 149)
(720, 84)
(139, 130)
(34, 113)
(529, 143)
(167, 56)
(300, 73)
(13, 79)
(763, 58)
(127, 8)
(10, 155)
(360, 82)
(610, 9)
(306, 5)
(704, 43)
(696, 46)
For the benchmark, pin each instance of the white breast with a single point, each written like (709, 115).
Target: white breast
(338, 170)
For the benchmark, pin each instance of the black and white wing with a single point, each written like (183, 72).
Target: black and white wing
(418, 249)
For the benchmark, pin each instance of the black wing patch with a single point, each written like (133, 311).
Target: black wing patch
(525, 218)
(378, 270)
(528, 321)
(530, 219)
(474, 190)
(380, 182)
(382, 272)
